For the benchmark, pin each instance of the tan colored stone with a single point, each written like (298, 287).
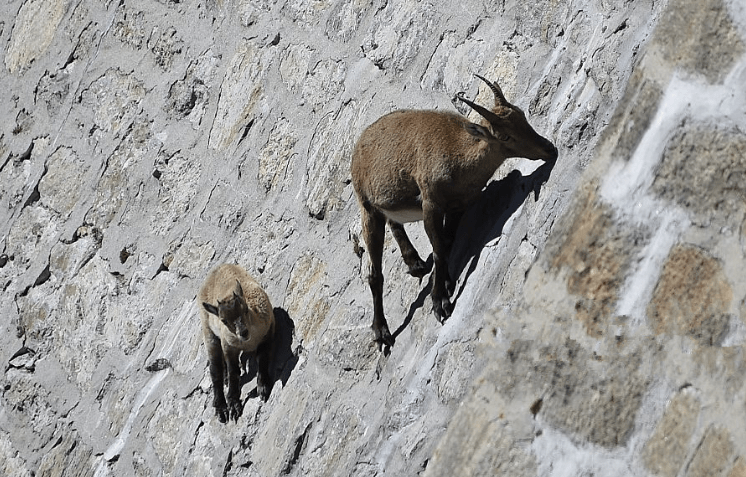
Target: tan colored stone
(306, 303)
(243, 79)
(713, 454)
(666, 450)
(692, 296)
(596, 252)
(64, 167)
(632, 117)
(739, 469)
(478, 442)
(275, 164)
(33, 32)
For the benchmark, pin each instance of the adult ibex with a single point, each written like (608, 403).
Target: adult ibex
(430, 165)
(236, 317)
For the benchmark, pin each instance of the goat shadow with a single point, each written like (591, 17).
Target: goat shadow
(283, 359)
(481, 223)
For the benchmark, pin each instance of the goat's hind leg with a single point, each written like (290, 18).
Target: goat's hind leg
(417, 267)
(374, 226)
(264, 355)
(450, 226)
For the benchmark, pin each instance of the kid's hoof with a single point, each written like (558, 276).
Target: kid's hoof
(222, 414)
(235, 410)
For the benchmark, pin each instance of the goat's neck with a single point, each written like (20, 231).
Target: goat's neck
(483, 167)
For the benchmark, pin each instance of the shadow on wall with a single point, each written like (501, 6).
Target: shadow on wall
(483, 222)
(283, 360)
(485, 219)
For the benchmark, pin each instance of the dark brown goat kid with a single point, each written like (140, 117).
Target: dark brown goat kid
(429, 165)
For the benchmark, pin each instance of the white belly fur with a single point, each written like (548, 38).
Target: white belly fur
(403, 216)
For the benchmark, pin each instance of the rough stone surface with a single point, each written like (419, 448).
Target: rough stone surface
(667, 449)
(699, 170)
(600, 307)
(713, 455)
(692, 296)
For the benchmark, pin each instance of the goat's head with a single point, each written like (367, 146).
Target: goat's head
(231, 311)
(509, 129)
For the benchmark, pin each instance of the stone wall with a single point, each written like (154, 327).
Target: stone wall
(599, 320)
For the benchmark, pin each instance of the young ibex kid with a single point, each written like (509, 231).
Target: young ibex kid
(237, 317)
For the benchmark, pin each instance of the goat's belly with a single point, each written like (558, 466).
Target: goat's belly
(403, 216)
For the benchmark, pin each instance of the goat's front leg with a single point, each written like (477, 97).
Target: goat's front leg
(234, 391)
(215, 355)
(434, 216)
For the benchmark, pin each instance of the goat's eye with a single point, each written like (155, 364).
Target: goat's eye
(503, 137)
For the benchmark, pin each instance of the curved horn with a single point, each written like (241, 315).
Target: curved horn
(484, 112)
(499, 96)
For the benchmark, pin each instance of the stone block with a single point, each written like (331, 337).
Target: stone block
(739, 469)
(595, 251)
(713, 455)
(33, 31)
(589, 396)
(692, 296)
(397, 34)
(666, 451)
(306, 302)
(329, 156)
(275, 164)
(479, 442)
(63, 167)
(700, 37)
(243, 79)
(701, 170)
(344, 19)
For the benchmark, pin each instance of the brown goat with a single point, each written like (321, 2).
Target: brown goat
(430, 165)
(237, 316)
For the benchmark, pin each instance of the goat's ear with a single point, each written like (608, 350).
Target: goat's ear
(479, 132)
(211, 308)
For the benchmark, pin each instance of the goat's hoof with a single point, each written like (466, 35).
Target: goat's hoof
(443, 308)
(236, 409)
(222, 414)
(264, 391)
(419, 269)
(450, 287)
(383, 337)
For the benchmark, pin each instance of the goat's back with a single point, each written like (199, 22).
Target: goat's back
(398, 154)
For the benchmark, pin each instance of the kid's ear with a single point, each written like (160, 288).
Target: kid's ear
(211, 308)
(238, 290)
